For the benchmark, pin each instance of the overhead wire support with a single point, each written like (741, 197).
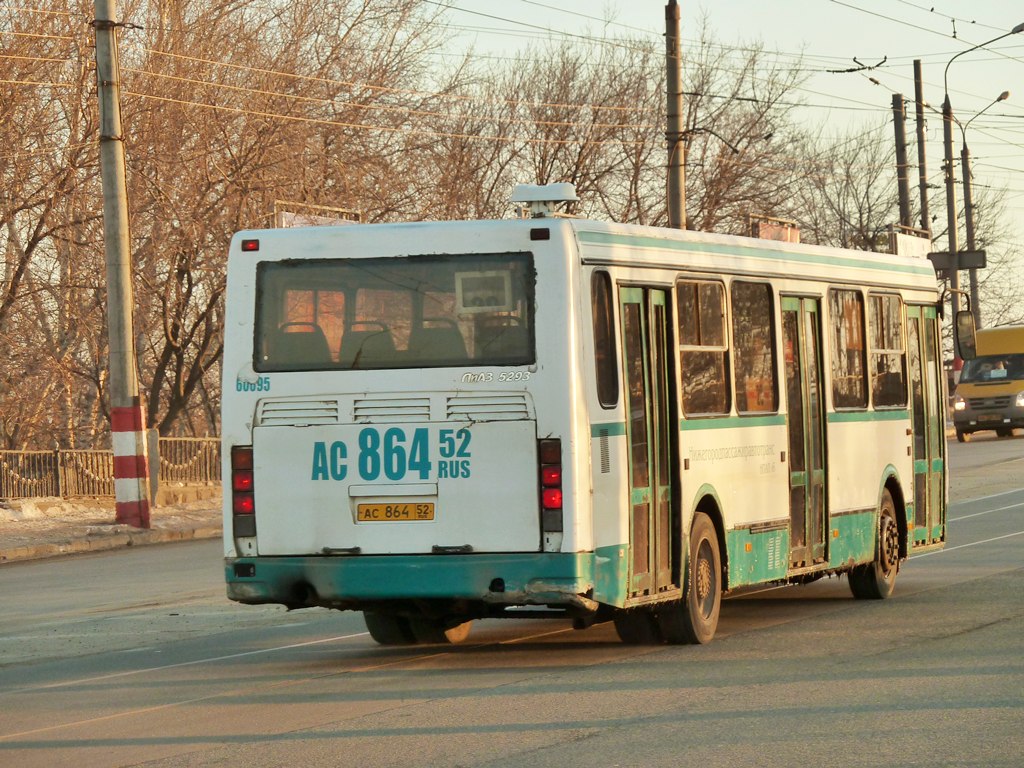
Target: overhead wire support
(859, 68)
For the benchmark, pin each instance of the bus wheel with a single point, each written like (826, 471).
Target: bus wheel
(962, 437)
(1005, 432)
(637, 627)
(439, 631)
(694, 619)
(876, 581)
(388, 629)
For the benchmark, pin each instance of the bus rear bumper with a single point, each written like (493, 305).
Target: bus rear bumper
(360, 582)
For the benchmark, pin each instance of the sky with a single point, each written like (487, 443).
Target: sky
(885, 36)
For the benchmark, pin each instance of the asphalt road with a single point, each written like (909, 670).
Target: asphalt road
(136, 658)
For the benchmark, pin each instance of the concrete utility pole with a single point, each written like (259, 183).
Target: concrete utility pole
(674, 112)
(951, 234)
(922, 171)
(127, 421)
(965, 168)
(899, 118)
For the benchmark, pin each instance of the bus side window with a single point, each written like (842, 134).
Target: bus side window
(754, 347)
(606, 363)
(703, 347)
(888, 358)
(849, 387)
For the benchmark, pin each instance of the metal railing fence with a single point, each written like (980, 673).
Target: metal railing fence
(77, 473)
(189, 460)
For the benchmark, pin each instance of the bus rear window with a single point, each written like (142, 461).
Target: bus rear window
(415, 312)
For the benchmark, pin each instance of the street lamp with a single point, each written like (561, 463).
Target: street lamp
(947, 136)
(965, 164)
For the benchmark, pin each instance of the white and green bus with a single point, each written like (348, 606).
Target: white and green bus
(549, 416)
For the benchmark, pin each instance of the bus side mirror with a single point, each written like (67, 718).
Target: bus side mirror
(964, 336)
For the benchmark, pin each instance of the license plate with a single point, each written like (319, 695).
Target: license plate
(990, 417)
(396, 512)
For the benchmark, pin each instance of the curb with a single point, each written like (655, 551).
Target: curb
(135, 538)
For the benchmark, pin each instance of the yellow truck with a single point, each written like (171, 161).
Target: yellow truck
(990, 393)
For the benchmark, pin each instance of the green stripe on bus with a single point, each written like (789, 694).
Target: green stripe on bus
(732, 422)
(614, 429)
(551, 577)
(610, 574)
(852, 537)
(608, 429)
(843, 417)
(638, 241)
(921, 465)
(765, 560)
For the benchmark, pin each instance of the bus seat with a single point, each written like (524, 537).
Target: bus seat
(361, 348)
(502, 341)
(444, 344)
(292, 347)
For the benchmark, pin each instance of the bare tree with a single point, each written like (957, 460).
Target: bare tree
(594, 114)
(270, 103)
(49, 291)
(739, 104)
(231, 106)
(848, 197)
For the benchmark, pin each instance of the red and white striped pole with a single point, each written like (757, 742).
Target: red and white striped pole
(127, 423)
(131, 465)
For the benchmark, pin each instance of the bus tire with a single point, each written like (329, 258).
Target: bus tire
(389, 629)
(434, 631)
(1005, 432)
(637, 627)
(694, 619)
(877, 580)
(962, 437)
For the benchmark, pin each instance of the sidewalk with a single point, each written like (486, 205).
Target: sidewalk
(46, 527)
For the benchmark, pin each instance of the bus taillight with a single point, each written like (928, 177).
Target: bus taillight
(243, 501)
(551, 476)
(550, 457)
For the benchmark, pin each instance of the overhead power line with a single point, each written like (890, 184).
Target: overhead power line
(411, 111)
(39, 11)
(416, 131)
(37, 83)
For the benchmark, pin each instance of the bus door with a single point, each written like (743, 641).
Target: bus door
(646, 354)
(802, 343)
(928, 425)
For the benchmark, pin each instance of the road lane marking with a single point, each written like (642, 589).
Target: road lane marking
(144, 670)
(218, 694)
(962, 502)
(986, 512)
(261, 651)
(972, 544)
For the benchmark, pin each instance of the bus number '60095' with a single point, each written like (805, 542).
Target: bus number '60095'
(395, 454)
